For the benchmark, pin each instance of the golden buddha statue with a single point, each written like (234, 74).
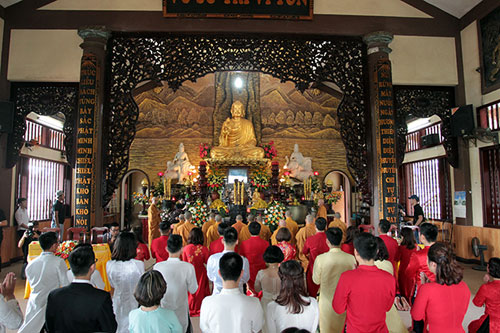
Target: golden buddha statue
(237, 137)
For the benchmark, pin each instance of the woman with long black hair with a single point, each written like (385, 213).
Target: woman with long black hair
(442, 304)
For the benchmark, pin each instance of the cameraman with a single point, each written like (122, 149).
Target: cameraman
(29, 235)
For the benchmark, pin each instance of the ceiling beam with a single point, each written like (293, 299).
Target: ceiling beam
(478, 12)
(431, 10)
(153, 21)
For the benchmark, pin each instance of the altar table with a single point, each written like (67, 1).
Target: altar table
(102, 254)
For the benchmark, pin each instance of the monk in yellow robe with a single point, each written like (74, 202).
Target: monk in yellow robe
(154, 221)
(338, 223)
(322, 210)
(237, 137)
(265, 232)
(204, 228)
(208, 224)
(178, 224)
(305, 232)
(291, 224)
(326, 273)
(185, 228)
(213, 231)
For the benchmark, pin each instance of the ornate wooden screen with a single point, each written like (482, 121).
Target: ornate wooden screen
(177, 58)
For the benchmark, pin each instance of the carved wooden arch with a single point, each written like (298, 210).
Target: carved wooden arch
(423, 102)
(44, 99)
(122, 194)
(176, 58)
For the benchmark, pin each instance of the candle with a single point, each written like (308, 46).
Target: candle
(242, 192)
(164, 187)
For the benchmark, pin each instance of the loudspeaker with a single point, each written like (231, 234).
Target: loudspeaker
(430, 140)
(6, 117)
(462, 121)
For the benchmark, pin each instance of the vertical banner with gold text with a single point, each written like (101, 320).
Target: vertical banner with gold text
(86, 142)
(386, 142)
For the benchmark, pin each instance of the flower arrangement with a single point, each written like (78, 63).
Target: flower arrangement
(139, 198)
(274, 213)
(269, 150)
(65, 249)
(315, 185)
(333, 197)
(260, 179)
(200, 212)
(204, 150)
(216, 179)
(220, 206)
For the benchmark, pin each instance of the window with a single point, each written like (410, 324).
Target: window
(429, 180)
(489, 116)
(39, 181)
(414, 139)
(45, 136)
(490, 177)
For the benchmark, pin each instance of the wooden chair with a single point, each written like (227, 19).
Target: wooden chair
(75, 233)
(97, 235)
(446, 232)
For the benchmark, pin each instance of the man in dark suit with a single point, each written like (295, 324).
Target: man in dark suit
(80, 307)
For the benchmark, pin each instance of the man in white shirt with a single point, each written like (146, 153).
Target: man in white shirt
(181, 279)
(11, 315)
(21, 216)
(231, 311)
(44, 274)
(230, 241)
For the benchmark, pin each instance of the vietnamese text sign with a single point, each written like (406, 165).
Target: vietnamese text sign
(86, 140)
(386, 142)
(286, 9)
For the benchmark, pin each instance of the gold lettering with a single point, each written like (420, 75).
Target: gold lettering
(389, 180)
(83, 181)
(81, 221)
(82, 190)
(87, 171)
(82, 211)
(388, 141)
(386, 131)
(86, 140)
(390, 200)
(84, 150)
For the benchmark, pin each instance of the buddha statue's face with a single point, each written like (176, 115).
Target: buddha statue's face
(237, 110)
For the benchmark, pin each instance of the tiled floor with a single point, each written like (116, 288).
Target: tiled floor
(473, 278)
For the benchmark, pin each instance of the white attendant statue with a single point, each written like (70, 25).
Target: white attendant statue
(179, 167)
(300, 167)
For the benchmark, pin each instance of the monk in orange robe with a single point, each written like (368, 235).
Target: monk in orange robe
(185, 228)
(302, 235)
(322, 210)
(265, 232)
(154, 221)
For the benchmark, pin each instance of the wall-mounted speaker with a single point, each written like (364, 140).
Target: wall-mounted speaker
(430, 140)
(6, 117)
(462, 121)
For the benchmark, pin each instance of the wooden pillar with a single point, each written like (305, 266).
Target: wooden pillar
(89, 172)
(383, 128)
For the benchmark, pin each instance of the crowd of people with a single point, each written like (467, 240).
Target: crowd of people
(242, 277)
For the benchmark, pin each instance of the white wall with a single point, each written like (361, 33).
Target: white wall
(44, 55)
(424, 60)
(395, 8)
(470, 51)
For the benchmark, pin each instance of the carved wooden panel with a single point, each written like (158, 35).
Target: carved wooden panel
(43, 99)
(423, 102)
(177, 58)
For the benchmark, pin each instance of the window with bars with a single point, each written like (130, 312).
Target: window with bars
(45, 136)
(490, 165)
(489, 116)
(428, 180)
(38, 182)
(414, 139)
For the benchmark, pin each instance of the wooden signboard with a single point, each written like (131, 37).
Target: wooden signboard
(270, 9)
(86, 143)
(386, 142)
